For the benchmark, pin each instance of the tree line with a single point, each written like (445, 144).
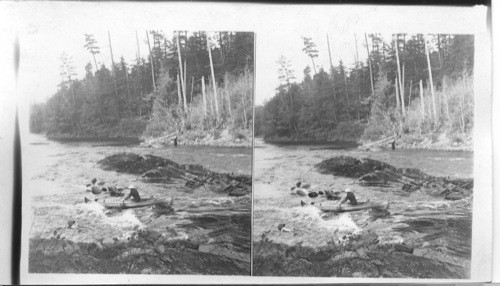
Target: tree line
(162, 91)
(382, 95)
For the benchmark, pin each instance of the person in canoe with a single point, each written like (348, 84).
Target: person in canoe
(132, 193)
(349, 196)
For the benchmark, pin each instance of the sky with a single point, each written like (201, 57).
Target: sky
(41, 49)
(46, 30)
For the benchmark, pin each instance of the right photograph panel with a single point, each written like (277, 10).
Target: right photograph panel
(363, 161)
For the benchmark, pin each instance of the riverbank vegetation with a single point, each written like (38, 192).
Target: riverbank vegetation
(194, 86)
(415, 88)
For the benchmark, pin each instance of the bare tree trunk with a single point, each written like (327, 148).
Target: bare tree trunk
(113, 64)
(213, 80)
(403, 81)
(138, 49)
(314, 66)
(397, 92)
(95, 62)
(409, 92)
(184, 89)
(331, 65)
(439, 52)
(329, 55)
(430, 80)
(356, 44)
(221, 48)
(128, 91)
(422, 103)
(192, 87)
(244, 111)
(399, 72)
(151, 61)
(347, 98)
(179, 96)
(369, 64)
(462, 119)
(139, 70)
(204, 96)
(403, 105)
(183, 84)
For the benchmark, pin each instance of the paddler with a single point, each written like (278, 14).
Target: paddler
(349, 196)
(132, 192)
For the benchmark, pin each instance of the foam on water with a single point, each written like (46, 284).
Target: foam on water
(95, 214)
(124, 220)
(434, 205)
(309, 221)
(216, 201)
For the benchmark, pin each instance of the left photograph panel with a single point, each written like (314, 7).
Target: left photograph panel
(138, 154)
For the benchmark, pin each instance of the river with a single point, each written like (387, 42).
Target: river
(436, 228)
(55, 175)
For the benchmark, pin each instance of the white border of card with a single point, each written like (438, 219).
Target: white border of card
(263, 18)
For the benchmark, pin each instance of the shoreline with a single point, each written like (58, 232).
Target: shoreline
(373, 146)
(143, 141)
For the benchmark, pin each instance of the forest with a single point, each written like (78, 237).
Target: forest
(195, 83)
(418, 88)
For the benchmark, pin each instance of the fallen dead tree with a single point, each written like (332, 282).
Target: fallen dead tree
(170, 136)
(380, 142)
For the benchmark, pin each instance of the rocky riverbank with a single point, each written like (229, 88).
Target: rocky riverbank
(145, 252)
(361, 256)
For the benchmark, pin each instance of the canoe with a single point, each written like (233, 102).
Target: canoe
(113, 204)
(119, 204)
(351, 208)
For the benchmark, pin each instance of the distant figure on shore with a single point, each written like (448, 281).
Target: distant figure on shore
(349, 196)
(132, 192)
(175, 141)
(393, 144)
